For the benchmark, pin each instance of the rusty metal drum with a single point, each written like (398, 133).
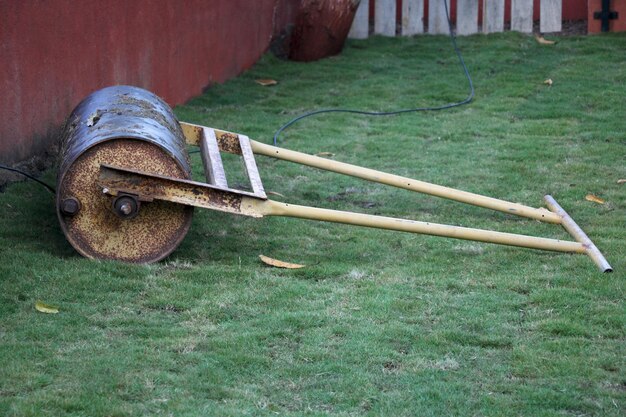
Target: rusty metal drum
(131, 128)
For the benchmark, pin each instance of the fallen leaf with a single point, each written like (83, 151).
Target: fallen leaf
(593, 198)
(46, 308)
(275, 193)
(548, 82)
(540, 39)
(328, 154)
(279, 264)
(621, 181)
(265, 82)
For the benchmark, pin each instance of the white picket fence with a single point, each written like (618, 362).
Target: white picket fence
(412, 22)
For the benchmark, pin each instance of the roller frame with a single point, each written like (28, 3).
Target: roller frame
(215, 194)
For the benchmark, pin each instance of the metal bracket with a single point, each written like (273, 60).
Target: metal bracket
(146, 187)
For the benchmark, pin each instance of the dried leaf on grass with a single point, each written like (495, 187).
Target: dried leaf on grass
(542, 41)
(46, 308)
(548, 82)
(327, 154)
(621, 181)
(274, 193)
(265, 82)
(595, 199)
(279, 264)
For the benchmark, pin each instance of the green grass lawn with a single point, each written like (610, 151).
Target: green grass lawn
(378, 323)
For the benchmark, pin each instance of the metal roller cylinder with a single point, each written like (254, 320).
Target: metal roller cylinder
(126, 127)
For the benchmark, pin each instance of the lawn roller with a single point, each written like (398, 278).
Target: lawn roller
(125, 190)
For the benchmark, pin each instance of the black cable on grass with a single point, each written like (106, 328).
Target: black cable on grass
(49, 187)
(390, 113)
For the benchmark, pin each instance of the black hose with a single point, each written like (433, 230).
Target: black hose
(49, 187)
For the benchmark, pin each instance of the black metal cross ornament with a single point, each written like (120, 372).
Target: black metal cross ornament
(605, 15)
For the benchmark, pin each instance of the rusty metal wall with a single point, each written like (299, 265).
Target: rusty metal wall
(55, 52)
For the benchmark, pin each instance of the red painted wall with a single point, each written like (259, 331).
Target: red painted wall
(55, 52)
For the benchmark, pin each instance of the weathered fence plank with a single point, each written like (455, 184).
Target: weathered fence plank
(467, 17)
(550, 15)
(522, 15)
(437, 19)
(361, 24)
(493, 16)
(412, 17)
(385, 17)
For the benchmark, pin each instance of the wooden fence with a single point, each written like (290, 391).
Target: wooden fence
(467, 19)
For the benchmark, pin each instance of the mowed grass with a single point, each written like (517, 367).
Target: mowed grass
(378, 323)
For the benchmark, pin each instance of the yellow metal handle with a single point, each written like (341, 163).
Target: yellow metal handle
(406, 183)
(274, 208)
